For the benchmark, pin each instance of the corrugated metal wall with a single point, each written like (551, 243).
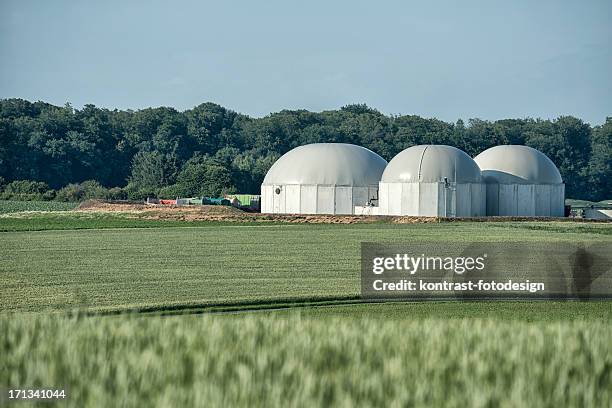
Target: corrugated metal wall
(525, 200)
(315, 199)
(433, 199)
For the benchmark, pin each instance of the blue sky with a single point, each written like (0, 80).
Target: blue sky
(444, 59)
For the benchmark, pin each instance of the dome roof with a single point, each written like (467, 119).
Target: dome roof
(328, 164)
(431, 163)
(514, 164)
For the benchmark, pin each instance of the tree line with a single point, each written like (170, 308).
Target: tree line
(63, 153)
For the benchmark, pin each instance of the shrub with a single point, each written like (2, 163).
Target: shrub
(71, 192)
(49, 195)
(86, 190)
(93, 189)
(26, 187)
(26, 190)
(116, 193)
(172, 191)
(133, 192)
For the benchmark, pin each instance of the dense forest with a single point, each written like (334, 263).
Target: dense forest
(63, 153)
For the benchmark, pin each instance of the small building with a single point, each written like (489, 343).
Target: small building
(322, 178)
(521, 181)
(432, 180)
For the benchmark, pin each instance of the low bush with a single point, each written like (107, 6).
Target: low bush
(26, 190)
(72, 192)
(87, 190)
(134, 192)
(116, 193)
(172, 191)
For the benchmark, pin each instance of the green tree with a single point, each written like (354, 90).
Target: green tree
(26, 190)
(567, 142)
(599, 172)
(148, 171)
(149, 148)
(203, 176)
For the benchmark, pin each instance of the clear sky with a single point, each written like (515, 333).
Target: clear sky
(444, 59)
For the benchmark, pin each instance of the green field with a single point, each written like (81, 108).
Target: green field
(209, 264)
(282, 323)
(255, 360)
(18, 206)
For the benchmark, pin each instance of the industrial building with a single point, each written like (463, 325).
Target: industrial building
(521, 181)
(432, 180)
(322, 178)
(425, 180)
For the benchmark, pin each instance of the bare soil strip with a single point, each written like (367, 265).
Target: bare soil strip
(231, 214)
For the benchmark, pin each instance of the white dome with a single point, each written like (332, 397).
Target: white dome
(430, 164)
(515, 164)
(327, 164)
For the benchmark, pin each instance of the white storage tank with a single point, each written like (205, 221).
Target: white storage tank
(521, 181)
(322, 178)
(432, 180)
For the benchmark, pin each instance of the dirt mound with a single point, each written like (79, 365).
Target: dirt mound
(231, 214)
(215, 213)
(126, 206)
(100, 205)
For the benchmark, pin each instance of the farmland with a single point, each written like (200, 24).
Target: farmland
(255, 360)
(199, 264)
(19, 206)
(268, 314)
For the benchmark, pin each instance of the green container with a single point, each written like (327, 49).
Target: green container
(246, 200)
(195, 201)
(216, 201)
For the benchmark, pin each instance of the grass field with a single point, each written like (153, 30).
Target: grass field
(18, 206)
(169, 267)
(253, 346)
(254, 360)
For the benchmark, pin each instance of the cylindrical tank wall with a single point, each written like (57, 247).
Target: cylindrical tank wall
(433, 199)
(316, 199)
(525, 200)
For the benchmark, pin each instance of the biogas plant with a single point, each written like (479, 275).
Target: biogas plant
(424, 180)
